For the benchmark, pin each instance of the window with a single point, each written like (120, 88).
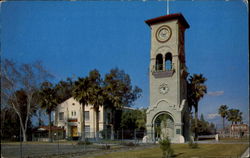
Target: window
(168, 61)
(73, 113)
(159, 62)
(61, 115)
(86, 115)
(178, 131)
(87, 130)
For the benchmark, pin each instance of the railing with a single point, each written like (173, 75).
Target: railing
(160, 70)
(162, 67)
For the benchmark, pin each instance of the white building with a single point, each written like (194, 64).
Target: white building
(68, 116)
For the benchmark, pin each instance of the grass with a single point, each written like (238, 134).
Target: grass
(227, 139)
(181, 151)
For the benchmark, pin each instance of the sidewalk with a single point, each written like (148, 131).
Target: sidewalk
(246, 154)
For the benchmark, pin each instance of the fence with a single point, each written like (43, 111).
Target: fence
(70, 148)
(106, 134)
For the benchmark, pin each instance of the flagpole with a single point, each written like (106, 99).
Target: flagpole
(167, 7)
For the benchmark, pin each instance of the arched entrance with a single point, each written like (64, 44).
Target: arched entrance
(163, 126)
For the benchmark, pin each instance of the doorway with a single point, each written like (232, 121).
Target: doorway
(74, 131)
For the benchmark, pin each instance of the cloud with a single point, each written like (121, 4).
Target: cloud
(216, 93)
(212, 116)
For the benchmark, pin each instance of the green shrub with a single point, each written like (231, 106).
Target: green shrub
(165, 145)
(86, 142)
(130, 144)
(105, 147)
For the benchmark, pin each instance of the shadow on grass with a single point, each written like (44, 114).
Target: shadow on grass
(175, 155)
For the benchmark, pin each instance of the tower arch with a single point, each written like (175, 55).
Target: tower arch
(163, 124)
(159, 62)
(168, 61)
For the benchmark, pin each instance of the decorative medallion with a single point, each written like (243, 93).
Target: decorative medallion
(163, 88)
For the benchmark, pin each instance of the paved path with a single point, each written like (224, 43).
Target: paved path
(246, 153)
(35, 150)
(221, 142)
(65, 150)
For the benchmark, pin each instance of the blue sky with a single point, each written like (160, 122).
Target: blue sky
(72, 38)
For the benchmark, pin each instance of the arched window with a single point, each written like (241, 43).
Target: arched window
(168, 61)
(159, 62)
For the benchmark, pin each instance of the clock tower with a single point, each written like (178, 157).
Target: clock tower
(167, 114)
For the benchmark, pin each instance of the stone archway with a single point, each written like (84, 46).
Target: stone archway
(163, 126)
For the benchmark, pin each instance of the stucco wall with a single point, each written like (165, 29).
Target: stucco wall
(72, 106)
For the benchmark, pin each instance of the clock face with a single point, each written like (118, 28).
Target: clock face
(163, 88)
(163, 33)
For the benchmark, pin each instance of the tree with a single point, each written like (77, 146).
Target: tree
(128, 120)
(204, 127)
(27, 77)
(133, 119)
(48, 101)
(196, 90)
(96, 93)
(82, 95)
(202, 118)
(238, 117)
(234, 115)
(9, 119)
(223, 113)
(119, 92)
(141, 119)
(64, 89)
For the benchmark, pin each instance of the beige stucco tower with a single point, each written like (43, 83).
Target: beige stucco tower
(167, 114)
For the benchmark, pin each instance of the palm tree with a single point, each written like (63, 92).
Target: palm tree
(48, 101)
(223, 113)
(81, 94)
(234, 115)
(238, 117)
(196, 91)
(96, 95)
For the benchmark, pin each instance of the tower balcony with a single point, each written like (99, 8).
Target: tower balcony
(160, 71)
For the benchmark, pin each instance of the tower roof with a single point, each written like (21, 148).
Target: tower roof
(164, 18)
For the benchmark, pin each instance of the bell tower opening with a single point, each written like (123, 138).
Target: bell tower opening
(168, 61)
(159, 63)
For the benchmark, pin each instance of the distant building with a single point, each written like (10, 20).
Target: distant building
(41, 133)
(68, 116)
(238, 130)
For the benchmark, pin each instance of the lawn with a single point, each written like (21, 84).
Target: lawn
(181, 151)
(227, 139)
